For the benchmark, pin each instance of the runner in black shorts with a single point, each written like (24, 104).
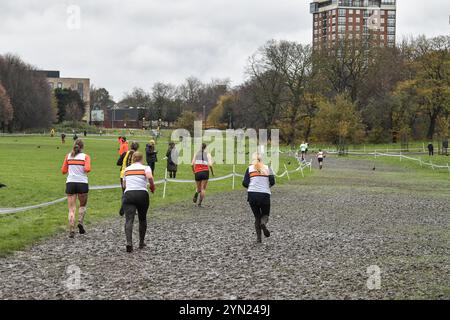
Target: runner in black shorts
(77, 165)
(201, 165)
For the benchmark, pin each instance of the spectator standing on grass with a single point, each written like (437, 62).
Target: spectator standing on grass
(75, 137)
(172, 160)
(63, 138)
(258, 180)
(445, 147)
(151, 155)
(136, 198)
(77, 165)
(430, 149)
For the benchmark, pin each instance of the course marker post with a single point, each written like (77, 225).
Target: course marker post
(165, 184)
(287, 172)
(301, 170)
(401, 156)
(234, 175)
(448, 167)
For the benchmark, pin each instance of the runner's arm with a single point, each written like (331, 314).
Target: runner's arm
(210, 164)
(151, 180)
(87, 164)
(193, 164)
(246, 181)
(271, 178)
(65, 166)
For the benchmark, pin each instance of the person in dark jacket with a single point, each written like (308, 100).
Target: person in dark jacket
(151, 155)
(258, 180)
(445, 147)
(430, 149)
(172, 160)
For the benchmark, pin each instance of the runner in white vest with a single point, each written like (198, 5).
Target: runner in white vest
(320, 158)
(136, 179)
(77, 165)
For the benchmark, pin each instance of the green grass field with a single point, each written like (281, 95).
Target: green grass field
(30, 167)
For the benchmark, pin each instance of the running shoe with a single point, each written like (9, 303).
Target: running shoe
(129, 249)
(195, 197)
(72, 234)
(142, 245)
(265, 230)
(81, 229)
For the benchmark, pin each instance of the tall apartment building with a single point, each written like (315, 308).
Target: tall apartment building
(353, 19)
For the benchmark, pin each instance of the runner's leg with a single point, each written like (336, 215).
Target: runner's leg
(82, 211)
(72, 203)
(130, 212)
(265, 211)
(198, 186)
(142, 215)
(256, 209)
(203, 185)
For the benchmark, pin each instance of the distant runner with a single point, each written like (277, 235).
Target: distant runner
(77, 165)
(201, 165)
(303, 150)
(320, 157)
(258, 180)
(123, 145)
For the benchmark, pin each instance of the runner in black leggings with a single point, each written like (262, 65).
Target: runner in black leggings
(137, 177)
(258, 179)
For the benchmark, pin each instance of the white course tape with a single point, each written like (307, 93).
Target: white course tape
(117, 186)
(400, 156)
(27, 208)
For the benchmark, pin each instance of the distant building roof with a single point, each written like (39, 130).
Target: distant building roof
(123, 114)
(50, 73)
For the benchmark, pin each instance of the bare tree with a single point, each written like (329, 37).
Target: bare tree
(267, 85)
(6, 109)
(29, 93)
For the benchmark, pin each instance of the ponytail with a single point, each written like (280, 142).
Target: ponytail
(259, 166)
(257, 162)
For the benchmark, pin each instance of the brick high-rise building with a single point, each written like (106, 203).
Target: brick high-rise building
(353, 19)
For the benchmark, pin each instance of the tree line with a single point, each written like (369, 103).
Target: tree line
(27, 101)
(350, 92)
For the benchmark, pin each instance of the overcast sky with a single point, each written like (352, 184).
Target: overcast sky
(123, 44)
